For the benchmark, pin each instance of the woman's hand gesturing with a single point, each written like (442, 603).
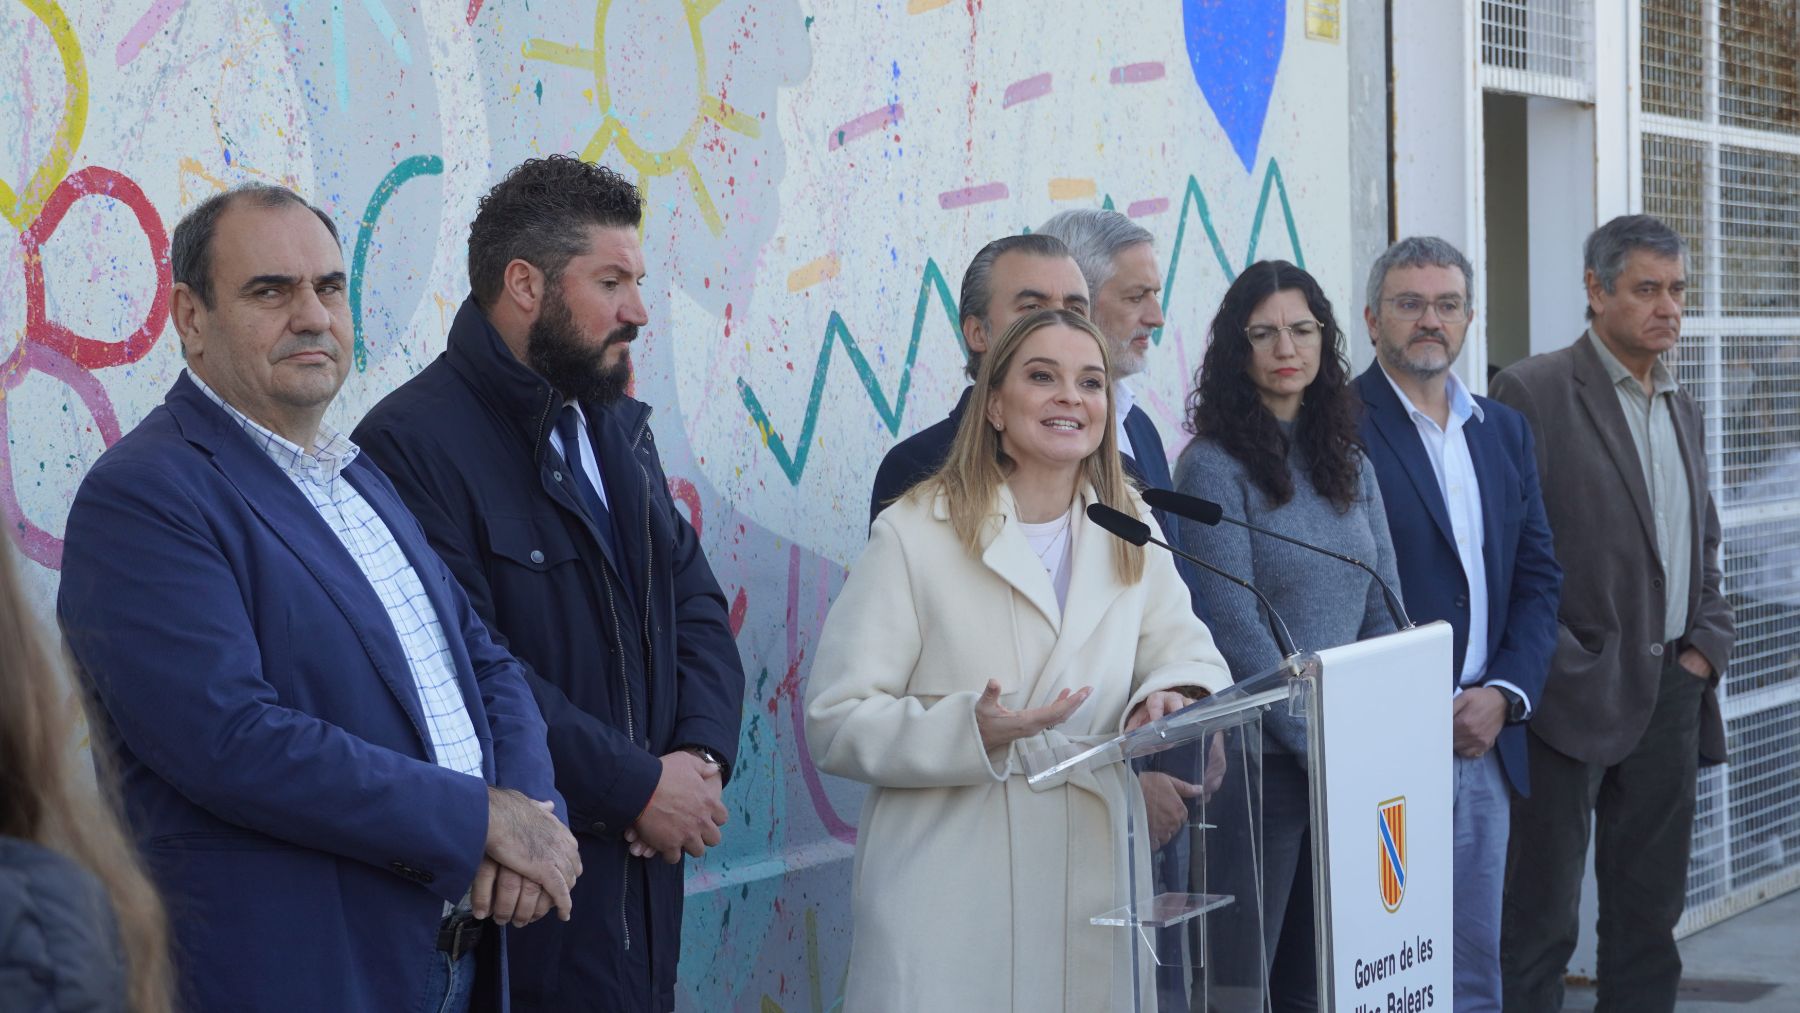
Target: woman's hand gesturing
(1155, 706)
(1001, 727)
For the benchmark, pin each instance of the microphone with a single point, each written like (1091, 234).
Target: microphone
(1205, 511)
(1137, 533)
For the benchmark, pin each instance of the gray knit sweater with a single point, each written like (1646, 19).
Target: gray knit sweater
(1326, 603)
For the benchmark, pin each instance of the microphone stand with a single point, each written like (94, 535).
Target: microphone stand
(1123, 525)
(1207, 512)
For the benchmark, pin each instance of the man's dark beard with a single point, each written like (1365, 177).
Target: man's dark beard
(555, 350)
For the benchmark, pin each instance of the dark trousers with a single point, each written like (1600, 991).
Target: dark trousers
(1642, 812)
(1288, 909)
(1247, 942)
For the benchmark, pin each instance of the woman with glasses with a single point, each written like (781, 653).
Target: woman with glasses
(988, 616)
(1276, 444)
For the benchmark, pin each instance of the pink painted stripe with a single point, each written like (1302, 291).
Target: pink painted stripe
(868, 122)
(1153, 206)
(972, 195)
(835, 825)
(1133, 73)
(140, 34)
(1024, 91)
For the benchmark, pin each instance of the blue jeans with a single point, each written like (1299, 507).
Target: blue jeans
(1483, 809)
(448, 985)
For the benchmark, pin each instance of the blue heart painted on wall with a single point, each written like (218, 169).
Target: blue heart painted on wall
(1234, 47)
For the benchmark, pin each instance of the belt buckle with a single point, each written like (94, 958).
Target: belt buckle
(460, 934)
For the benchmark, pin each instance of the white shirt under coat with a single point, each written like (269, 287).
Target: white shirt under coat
(1447, 448)
(1123, 400)
(589, 463)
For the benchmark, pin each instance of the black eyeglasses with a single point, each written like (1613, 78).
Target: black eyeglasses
(1412, 307)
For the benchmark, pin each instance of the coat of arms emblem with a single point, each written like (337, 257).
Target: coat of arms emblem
(1391, 843)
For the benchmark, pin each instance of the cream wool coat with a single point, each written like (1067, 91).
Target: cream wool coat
(972, 891)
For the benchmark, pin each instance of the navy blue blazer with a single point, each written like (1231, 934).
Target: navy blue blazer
(276, 767)
(1524, 582)
(920, 455)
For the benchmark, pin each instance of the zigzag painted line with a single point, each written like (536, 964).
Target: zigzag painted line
(1196, 198)
(1193, 202)
(794, 465)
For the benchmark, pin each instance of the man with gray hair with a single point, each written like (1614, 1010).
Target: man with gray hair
(1643, 635)
(1459, 482)
(1117, 257)
(1118, 261)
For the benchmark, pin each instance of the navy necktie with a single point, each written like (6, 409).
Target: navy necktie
(568, 426)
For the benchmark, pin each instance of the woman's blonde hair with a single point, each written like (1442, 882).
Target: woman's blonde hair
(972, 474)
(43, 798)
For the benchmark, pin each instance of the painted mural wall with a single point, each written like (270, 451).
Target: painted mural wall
(818, 174)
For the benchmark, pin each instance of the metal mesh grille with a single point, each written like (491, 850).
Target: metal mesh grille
(1759, 87)
(1674, 58)
(1538, 47)
(1759, 231)
(1765, 810)
(1721, 164)
(1747, 835)
(1675, 191)
(1759, 415)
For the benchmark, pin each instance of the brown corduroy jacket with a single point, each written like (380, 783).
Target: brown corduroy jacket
(1609, 652)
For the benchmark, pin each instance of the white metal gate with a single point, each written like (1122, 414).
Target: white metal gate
(1719, 135)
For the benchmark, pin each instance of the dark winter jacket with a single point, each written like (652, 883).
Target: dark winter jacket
(630, 658)
(59, 943)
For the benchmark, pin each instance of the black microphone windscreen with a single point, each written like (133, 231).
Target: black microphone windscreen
(1192, 508)
(1124, 525)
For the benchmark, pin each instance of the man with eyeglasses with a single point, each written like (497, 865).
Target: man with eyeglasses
(1459, 483)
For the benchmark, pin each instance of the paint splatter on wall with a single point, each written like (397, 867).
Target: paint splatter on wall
(817, 176)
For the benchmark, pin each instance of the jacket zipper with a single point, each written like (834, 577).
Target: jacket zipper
(649, 547)
(624, 677)
(618, 638)
(537, 436)
(612, 606)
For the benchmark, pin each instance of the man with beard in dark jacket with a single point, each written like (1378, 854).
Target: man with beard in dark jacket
(538, 481)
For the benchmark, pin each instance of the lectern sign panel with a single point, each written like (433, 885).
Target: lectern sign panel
(1384, 762)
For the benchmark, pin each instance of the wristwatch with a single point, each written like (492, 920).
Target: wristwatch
(708, 755)
(1515, 705)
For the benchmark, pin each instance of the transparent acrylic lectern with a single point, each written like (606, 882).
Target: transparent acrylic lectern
(1194, 909)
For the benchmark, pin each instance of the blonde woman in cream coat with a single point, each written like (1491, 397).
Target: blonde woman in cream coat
(986, 615)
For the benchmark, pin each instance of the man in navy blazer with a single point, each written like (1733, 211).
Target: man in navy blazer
(1103, 267)
(331, 769)
(1008, 278)
(1459, 480)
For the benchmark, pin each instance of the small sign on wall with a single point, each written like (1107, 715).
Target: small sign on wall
(1322, 20)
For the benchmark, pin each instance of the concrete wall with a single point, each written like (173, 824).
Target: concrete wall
(817, 173)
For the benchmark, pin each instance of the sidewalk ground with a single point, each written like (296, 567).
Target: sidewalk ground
(1746, 964)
